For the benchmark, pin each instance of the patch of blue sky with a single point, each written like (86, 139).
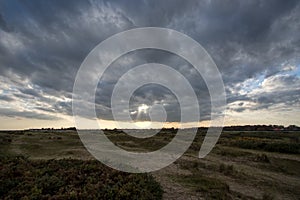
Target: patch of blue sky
(292, 72)
(297, 71)
(9, 91)
(253, 83)
(4, 92)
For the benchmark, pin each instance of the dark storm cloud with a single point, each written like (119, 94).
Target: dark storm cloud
(26, 114)
(290, 98)
(6, 98)
(3, 24)
(266, 100)
(44, 42)
(152, 93)
(63, 107)
(30, 92)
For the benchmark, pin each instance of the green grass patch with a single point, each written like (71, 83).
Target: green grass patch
(230, 152)
(211, 188)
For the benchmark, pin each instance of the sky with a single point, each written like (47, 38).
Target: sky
(255, 45)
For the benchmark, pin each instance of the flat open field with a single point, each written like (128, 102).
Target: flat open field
(243, 165)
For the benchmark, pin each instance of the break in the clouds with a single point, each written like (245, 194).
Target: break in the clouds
(255, 44)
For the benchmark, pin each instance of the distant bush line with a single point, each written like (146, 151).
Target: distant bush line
(280, 147)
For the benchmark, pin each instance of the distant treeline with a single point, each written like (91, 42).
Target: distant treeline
(262, 128)
(238, 128)
(226, 128)
(49, 129)
(255, 128)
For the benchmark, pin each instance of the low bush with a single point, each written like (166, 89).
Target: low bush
(262, 158)
(280, 147)
(71, 179)
(226, 169)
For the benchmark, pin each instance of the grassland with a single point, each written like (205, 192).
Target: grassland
(243, 165)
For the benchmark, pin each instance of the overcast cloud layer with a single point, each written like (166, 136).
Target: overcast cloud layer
(255, 44)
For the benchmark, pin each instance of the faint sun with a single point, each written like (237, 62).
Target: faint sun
(143, 108)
